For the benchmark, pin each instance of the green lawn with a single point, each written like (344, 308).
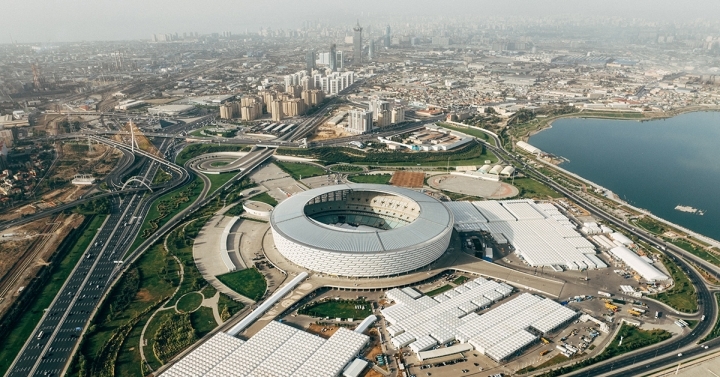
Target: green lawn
(228, 307)
(439, 290)
(530, 188)
(265, 198)
(11, 344)
(382, 179)
(611, 114)
(165, 207)
(650, 225)
(209, 291)
(203, 321)
(682, 295)
(338, 309)
(460, 280)
(716, 329)
(702, 253)
(217, 164)
(299, 170)
(248, 282)
(161, 177)
(217, 180)
(189, 302)
(469, 131)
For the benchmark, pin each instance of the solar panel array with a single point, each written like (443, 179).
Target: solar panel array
(499, 333)
(276, 350)
(541, 235)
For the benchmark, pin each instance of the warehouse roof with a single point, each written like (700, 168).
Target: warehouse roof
(635, 262)
(276, 350)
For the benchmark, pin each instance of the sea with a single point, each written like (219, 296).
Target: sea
(655, 165)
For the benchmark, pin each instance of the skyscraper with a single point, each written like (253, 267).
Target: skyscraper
(357, 44)
(333, 58)
(386, 37)
(371, 50)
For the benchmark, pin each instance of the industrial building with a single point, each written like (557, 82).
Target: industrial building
(171, 110)
(637, 263)
(277, 350)
(540, 234)
(363, 230)
(421, 323)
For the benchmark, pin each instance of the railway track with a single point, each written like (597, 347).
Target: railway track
(20, 267)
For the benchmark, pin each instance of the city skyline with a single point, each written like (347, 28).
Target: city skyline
(81, 20)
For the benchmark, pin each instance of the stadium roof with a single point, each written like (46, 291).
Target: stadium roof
(290, 220)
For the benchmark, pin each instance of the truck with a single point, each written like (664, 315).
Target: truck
(657, 315)
(543, 353)
(545, 341)
(605, 294)
(611, 306)
(635, 308)
(634, 313)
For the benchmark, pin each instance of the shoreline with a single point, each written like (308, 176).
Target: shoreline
(700, 237)
(580, 114)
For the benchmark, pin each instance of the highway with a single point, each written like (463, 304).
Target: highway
(667, 351)
(55, 338)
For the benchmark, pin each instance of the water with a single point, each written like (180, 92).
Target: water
(655, 165)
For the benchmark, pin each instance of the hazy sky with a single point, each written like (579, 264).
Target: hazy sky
(75, 20)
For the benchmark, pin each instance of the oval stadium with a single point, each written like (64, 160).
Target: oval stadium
(361, 230)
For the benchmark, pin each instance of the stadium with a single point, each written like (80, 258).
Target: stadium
(361, 230)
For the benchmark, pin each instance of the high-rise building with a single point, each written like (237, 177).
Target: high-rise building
(251, 112)
(276, 109)
(333, 58)
(307, 83)
(310, 60)
(339, 60)
(357, 44)
(229, 110)
(377, 106)
(383, 118)
(360, 121)
(371, 50)
(386, 37)
(397, 115)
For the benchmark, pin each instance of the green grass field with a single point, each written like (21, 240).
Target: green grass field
(189, 302)
(439, 290)
(469, 131)
(530, 188)
(11, 344)
(248, 282)
(217, 180)
(702, 253)
(382, 179)
(650, 225)
(194, 150)
(209, 291)
(682, 295)
(338, 309)
(299, 170)
(265, 198)
(203, 321)
(460, 280)
(179, 198)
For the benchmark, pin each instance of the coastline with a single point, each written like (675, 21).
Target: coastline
(665, 115)
(713, 242)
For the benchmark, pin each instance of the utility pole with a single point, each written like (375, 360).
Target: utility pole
(132, 137)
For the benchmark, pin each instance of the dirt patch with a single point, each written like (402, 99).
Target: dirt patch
(318, 330)
(407, 179)
(29, 247)
(372, 373)
(144, 295)
(326, 132)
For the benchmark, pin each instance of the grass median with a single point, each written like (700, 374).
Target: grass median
(248, 282)
(682, 296)
(299, 170)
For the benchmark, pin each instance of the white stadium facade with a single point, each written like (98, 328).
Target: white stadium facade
(361, 230)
